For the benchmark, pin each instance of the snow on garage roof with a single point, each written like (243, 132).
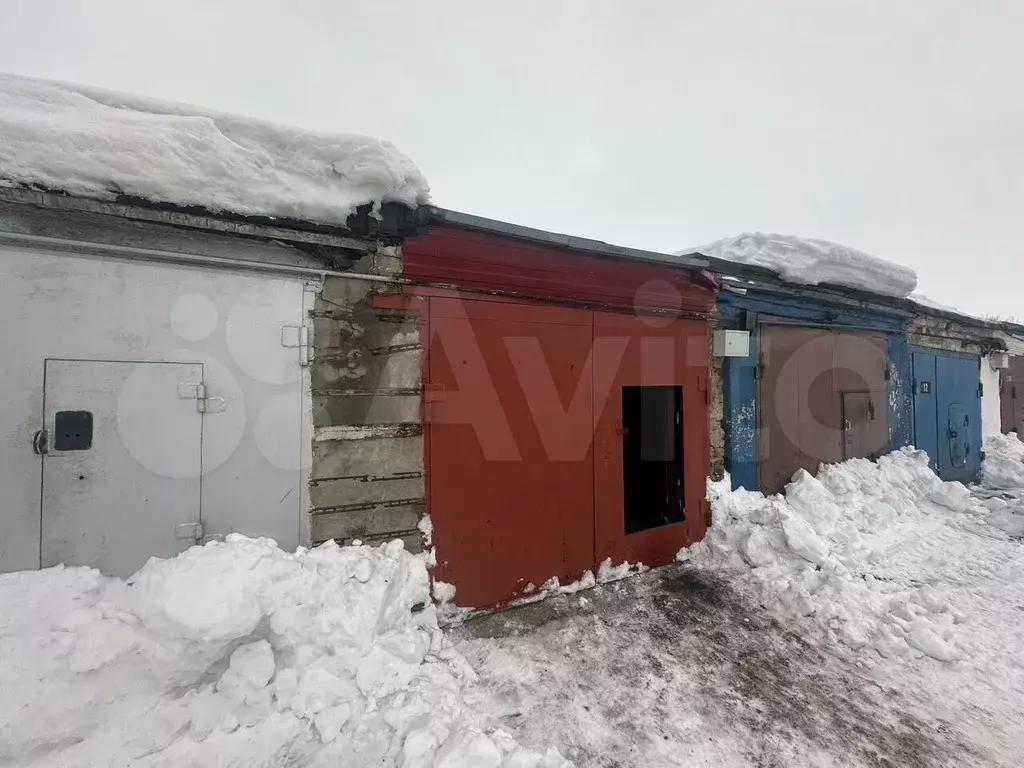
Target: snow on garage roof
(100, 144)
(808, 261)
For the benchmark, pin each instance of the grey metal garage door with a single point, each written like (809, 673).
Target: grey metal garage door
(122, 462)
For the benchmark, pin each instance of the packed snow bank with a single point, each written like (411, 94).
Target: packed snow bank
(811, 262)
(819, 551)
(1002, 483)
(100, 144)
(237, 653)
(1003, 467)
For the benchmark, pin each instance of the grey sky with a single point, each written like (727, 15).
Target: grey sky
(892, 126)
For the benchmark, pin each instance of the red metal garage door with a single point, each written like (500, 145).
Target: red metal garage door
(822, 399)
(518, 395)
(510, 459)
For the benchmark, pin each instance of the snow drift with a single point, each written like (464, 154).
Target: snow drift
(100, 144)
(237, 653)
(811, 262)
(827, 550)
(1004, 462)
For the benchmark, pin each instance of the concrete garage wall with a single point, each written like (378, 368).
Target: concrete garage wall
(368, 474)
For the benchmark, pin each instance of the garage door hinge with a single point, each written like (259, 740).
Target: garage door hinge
(297, 337)
(204, 403)
(981, 389)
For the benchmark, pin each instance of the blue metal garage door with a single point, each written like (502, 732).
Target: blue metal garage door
(947, 413)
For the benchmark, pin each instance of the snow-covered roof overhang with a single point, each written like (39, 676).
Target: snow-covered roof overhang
(741, 278)
(103, 145)
(808, 261)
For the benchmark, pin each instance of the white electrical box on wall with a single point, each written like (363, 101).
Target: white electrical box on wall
(999, 361)
(727, 343)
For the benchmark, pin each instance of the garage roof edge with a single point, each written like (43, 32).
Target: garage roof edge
(436, 215)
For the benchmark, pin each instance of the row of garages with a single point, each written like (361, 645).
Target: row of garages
(721, 367)
(549, 402)
(833, 374)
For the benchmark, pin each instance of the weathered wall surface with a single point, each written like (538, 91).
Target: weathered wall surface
(939, 333)
(368, 474)
(716, 414)
(991, 414)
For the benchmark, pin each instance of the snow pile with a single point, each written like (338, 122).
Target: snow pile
(1002, 483)
(1004, 462)
(823, 551)
(811, 262)
(606, 573)
(237, 653)
(100, 144)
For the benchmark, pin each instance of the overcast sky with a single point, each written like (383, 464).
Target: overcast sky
(892, 126)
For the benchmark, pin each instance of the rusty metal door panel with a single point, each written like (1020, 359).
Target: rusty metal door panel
(861, 424)
(804, 373)
(791, 360)
(1011, 397)
(632, 351)
(860, 365)
(509, 431)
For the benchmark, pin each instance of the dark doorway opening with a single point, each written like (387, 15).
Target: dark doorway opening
(652, 456)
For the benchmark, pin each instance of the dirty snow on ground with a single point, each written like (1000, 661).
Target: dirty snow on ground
(808, 261)
(871, 615)
(239, 654)
(100, 144)
(450, 614)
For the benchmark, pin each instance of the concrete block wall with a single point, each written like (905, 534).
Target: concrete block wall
(367, 478)
(716, 413)
(940, 333)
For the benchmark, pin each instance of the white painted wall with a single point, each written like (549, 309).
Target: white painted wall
(990, 417)
(255, 453)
